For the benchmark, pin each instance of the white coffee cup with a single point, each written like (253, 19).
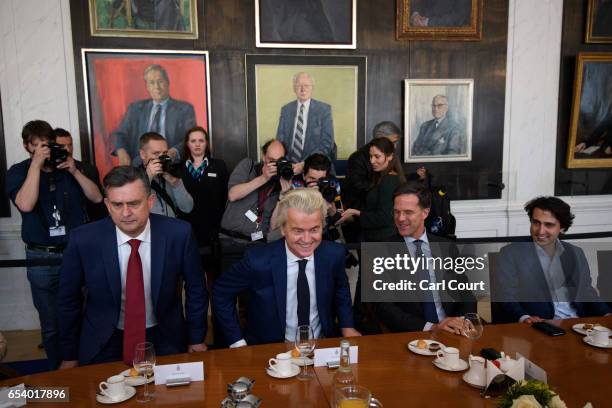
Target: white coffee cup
(281, 364)
(115, 387)
(449, 356)
(599, 335)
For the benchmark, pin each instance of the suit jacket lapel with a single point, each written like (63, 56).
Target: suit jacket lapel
(158, 249)
(279, 278)
(321, 273)
(110, 256)
(146, 114)
(538, 280)
(171, 118)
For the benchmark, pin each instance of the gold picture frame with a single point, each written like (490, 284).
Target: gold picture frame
(590, 134)
(110, 18)
(424, 20)
(595, 24)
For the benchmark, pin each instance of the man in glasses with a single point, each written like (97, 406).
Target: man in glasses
(50, 192)
(440, 136)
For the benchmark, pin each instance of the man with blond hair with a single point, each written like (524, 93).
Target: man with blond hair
(299, 280)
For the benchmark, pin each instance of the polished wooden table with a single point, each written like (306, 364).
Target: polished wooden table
(397, 377)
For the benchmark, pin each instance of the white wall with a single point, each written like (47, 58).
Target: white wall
(37, 80)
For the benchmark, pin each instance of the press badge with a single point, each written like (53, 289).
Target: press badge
(57, 230)
(257, 235)
(212, 174)
(251, 215)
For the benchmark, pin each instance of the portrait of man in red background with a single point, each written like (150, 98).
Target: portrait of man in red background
(130, 93)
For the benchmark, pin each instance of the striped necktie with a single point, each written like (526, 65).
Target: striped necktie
(297, 147)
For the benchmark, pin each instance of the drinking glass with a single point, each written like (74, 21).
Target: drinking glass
(305, 342)
(144, 361)
(472, 326)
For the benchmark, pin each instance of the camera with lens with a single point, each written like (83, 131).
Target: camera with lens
(58, 154)
(328, 188)
(168, 165)
(284, 168)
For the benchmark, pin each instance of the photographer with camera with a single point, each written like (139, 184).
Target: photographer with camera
(48, 190)
(170, 192)
(317, 168)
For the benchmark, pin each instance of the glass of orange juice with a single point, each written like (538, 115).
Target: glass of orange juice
(355, 396)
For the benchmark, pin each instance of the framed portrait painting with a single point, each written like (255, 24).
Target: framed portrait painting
(599, 22)
(306, 24)
(438, 120)
(439, 20)
(334, 88)
(131, 92)
(590, 135)
(144, 18)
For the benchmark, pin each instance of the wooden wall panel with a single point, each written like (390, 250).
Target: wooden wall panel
(227, 31)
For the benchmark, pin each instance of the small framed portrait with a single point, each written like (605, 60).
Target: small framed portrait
(438, 120)
(590, 135)
(306, 24)
(144, 18)
(131, 92)
(331, 89)
(439, 20)
(599, 22)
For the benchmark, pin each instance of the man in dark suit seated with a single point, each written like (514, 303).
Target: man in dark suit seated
(129, 267)
(546, 278)
(298, 280)
(441, 310)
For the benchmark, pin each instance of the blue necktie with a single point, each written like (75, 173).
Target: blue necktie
(429, 307)
(303, 295)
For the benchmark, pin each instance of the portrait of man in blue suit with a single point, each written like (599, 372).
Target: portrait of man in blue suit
(161, 114)
(122, 280)
(306, 124)
(545, 278)
(295, 281)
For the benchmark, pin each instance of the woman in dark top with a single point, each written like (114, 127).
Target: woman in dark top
(205, 179)
(376, 217)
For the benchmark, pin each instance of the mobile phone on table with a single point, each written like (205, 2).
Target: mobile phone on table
(548, 328)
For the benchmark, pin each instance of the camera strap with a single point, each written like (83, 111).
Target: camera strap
(163, 194)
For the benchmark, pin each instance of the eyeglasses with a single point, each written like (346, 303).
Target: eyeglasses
(439, 105)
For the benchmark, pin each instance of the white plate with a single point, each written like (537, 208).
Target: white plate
(579, 328)
(475, 385)
(588, 341)
(299, 362)
(103, 399)
(135, 381)
(412, 346)
(463, 365)
(295, 370)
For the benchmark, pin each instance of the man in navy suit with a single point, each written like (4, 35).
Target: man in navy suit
(121, 280)
(160, 114)
(546, 278)
(305, 125)
(295, 281)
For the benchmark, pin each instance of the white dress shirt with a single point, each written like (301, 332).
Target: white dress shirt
(144, 250)
(162, 116)
(291, 317)
(432, 275)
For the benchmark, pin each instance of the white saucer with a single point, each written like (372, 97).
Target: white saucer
(299, 362)
(412, 346)
(463, 365)
(579, 328)
(479, 386)
(295, 370)
(588, 341)
(103, 399)
(135, 381)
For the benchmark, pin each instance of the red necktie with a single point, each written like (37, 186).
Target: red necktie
(134, 324)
